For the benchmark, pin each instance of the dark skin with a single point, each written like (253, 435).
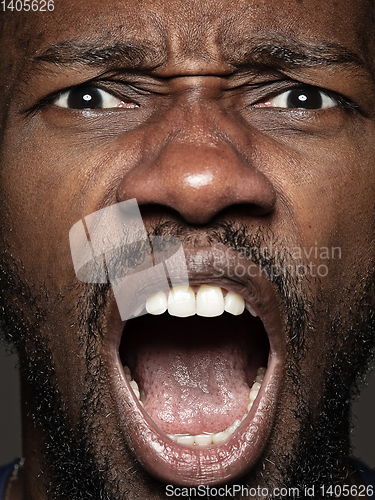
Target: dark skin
(195, 132)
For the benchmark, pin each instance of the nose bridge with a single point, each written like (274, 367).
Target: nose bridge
(198, 146)
(196, 119)
(196, 164)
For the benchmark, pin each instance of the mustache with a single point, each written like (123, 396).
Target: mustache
(137, 253)
(140, 250)
(252, 244)
(255, 244)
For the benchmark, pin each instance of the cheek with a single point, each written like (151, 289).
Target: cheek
(50, 182)
(328, 187)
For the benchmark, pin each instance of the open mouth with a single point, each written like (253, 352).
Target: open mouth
(196, 381)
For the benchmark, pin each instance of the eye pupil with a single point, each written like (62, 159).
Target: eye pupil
(305, 98)
(85, 98)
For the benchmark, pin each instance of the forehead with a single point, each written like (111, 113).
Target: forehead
(205, 31)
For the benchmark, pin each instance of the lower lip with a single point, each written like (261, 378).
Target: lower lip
(184, 465)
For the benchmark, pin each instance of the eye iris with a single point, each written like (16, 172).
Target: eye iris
(305, 98)
(85, 98)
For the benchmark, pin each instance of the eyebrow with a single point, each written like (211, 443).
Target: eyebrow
(132, 55)
(276, 53)
(283, 54)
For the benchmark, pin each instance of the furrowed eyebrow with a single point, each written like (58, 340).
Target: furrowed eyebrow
(131, 55)
(286, 54)
(275, 53)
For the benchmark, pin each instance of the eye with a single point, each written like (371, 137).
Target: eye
(300, 97)
(90, 97)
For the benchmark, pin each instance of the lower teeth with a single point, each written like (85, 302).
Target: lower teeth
(206, 439)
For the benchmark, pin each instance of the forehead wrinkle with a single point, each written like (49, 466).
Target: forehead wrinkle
(197, 34)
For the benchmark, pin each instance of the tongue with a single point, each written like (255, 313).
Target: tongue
(194, 373)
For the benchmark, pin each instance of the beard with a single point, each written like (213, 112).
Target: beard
(74, 469)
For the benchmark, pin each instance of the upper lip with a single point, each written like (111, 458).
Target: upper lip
(184, 465)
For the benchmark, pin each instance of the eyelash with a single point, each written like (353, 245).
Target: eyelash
(302, 95)
(104, 97)
(288, 86)
(49, 100)
(128, 103)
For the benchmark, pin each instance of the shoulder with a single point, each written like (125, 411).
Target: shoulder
(367, 474)
(5, 470)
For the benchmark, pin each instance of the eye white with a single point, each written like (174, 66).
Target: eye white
(89, 98)
(283, 100)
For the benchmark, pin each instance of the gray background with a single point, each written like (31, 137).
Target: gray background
(363, 437)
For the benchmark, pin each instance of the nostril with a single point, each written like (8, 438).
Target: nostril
(246, 209)
(199, 182)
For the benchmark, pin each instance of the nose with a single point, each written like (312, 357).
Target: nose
(198, 175)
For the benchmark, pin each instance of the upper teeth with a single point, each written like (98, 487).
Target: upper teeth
(209, 301)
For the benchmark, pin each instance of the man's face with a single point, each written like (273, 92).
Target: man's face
(244, 129)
